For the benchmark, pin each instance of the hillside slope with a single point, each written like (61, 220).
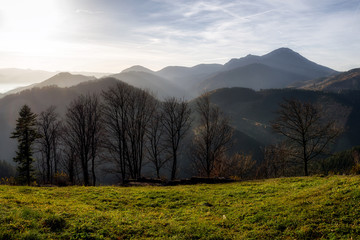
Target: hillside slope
(349, 80)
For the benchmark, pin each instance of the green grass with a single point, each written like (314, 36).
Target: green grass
(285, 208)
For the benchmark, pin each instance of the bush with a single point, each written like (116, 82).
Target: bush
(55, 223)
(355, 169)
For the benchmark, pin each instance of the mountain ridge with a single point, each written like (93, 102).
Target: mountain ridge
(287, 68)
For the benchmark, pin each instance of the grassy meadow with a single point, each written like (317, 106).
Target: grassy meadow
(284, 208)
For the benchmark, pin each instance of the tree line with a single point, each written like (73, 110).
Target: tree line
(124, 128)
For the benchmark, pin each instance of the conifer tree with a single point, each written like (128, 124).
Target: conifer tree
(26, 134)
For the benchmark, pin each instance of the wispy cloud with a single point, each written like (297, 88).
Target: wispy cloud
(88, 11)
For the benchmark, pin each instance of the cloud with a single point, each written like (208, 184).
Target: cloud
(88, 11)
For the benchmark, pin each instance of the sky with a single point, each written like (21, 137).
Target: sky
(111, 35)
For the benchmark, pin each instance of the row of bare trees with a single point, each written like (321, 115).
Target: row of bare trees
(123, 127)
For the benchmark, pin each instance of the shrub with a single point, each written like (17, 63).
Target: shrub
(55, 223)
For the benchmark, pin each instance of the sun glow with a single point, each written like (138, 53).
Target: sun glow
(27, 27)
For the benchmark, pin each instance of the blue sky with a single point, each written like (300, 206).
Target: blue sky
(110, 35)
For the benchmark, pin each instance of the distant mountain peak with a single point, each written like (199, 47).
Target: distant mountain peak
(137, 68)
(64, 74)
(284, 49)
(283, 52)
(251, 56)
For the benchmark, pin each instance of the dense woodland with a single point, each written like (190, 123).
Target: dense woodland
(125, 133)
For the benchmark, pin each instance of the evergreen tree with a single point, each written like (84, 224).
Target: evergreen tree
(26, 134)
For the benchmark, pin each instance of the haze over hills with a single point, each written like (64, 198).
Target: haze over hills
(189, 77)
(147, 80)
(62, 80)
(13, 77)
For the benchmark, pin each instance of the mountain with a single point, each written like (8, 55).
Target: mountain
(256, 76)
(63, 79)
(137, 68)
(287, 59)
(284, 59)
(161, 87)
(349, 80)
(277, 69)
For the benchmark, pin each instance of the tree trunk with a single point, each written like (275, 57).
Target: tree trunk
(306, 168)
(174, 166)
(93, 172)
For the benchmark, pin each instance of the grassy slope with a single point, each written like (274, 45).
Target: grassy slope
(288, 208)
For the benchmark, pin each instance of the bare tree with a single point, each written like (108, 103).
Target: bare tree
(69, 160)
(156, 147)
(213, 137)
(176, 122)
(141, 109)
(115, 118)
(48, 125)
(277, 160)
(83, 121)
(127, 113)
(306, 128)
